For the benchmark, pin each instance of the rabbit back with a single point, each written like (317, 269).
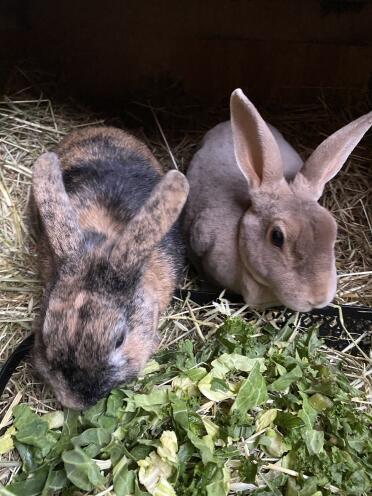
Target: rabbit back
(108, 175)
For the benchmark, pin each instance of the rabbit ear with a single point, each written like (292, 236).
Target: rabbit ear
(57, 214)
(153, 220)
(256, 150)
(328, 158)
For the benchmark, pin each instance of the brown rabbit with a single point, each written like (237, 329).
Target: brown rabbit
(253, 219)
(111, 255)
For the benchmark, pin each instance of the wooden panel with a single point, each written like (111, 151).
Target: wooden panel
(275, 49)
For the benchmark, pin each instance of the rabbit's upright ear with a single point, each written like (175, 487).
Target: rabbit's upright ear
(328, 158)
(57, 214)
(256, 150)
(152, 221)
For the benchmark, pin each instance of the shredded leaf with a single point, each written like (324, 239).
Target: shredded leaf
(236, 415)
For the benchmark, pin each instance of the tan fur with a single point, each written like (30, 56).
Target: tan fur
(95, 217)
(241, 188)
(107, 271)
(74, 148)
(80, 299)
(46, 264)
(138, 348)
(157, 279)
(153, 219)
(47, 177)
(261, 149)
(325, 162)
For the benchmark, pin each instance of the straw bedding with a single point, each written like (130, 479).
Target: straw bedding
(30, 126)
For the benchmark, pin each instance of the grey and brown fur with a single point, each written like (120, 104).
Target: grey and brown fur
(111, 255)
(247, 187)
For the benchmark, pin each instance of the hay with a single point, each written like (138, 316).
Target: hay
(31, 126)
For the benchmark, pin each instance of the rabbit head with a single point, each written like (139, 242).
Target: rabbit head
(100, 314)
(286, 239)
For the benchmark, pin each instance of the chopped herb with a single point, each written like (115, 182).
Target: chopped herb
(257, 416)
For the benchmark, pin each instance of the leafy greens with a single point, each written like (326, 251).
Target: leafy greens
(248, 412)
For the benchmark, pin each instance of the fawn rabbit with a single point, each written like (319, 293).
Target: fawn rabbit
(252, 217)
(111, 254)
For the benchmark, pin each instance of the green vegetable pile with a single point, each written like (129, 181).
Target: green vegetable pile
(248, 412)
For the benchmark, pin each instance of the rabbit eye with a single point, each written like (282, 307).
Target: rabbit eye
(277, 237)
(119, 341)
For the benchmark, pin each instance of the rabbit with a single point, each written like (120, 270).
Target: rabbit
(252, 218)
(111, 254)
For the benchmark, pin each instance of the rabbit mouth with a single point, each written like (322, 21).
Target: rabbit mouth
(294, 304)
(303, 306)
(64, 397)
(321, 304)
(70, 402)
